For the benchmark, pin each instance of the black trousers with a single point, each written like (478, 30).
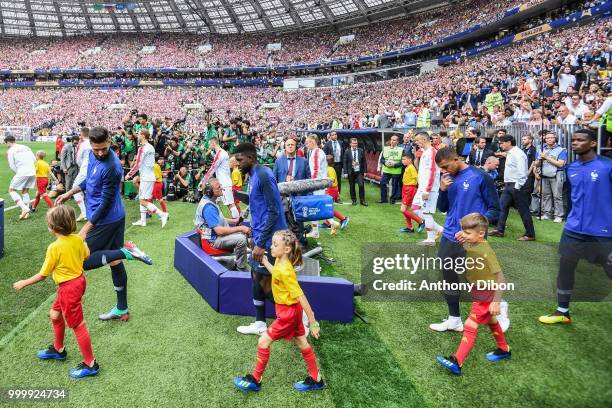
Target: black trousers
(453, 250)
(356, 177)
(396, 189)
(338, 168)
(520, 199)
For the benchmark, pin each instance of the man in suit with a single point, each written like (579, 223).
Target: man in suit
(334, 147)
(68, 162)
(290, 166)
(479, 154)
(355, 167)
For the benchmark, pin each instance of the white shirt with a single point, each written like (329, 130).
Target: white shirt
(566, 80)
(220, 166)
(606, 106)
(429, 172)
(569, 120)
(145, 161)
(579, 110)
(82, 153)
(21, 160)
(318, 164)
(516, 167)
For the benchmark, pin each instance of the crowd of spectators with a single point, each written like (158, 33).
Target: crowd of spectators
(560, 78)
(183, 50)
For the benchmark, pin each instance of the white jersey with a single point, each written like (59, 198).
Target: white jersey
(220, 166)
(317, 161)
(429, 172)
(82, 153)
(21, 160)
(144, 163)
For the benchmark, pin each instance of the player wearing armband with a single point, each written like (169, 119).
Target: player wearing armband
(290, 303)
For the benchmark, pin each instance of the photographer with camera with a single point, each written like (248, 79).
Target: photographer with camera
(179, 188)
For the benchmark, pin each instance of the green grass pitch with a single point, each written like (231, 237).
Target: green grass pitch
(176, 351)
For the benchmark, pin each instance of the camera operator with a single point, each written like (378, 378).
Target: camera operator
(181, 183)
(230, 136)
(173, 156)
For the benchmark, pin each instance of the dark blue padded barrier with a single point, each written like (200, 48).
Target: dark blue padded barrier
(230, 292)
(236, 295)
(198, 268)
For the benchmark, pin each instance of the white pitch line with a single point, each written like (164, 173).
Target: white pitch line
(13, 333)
(11, 208)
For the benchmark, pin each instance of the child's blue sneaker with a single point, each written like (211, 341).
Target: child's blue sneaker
(52, 354)
(344, 223)
(309, 384)
(83, 370)
(247, 383)
(407, 230)
(450, 363)
(498, 354)
(421, 228)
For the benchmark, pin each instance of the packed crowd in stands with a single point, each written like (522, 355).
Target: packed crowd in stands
(177, 50)
(556, 78)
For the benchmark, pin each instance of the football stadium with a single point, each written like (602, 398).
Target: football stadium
(331, 203)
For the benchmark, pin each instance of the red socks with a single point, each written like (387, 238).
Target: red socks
(59, 328)
(498, 333)
(339, 216)
(45, 197)
(263, 355)
(47, 200)
(162, 204)
(409, 215)
(311, 363)
(467, 342)
(84, 341)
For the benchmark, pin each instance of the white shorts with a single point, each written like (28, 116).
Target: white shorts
(428, 206)
(23, 182)
(81, 176)
(145, 190)
(228, 195)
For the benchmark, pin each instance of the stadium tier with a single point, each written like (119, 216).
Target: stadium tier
(212, 50)
(445, 91)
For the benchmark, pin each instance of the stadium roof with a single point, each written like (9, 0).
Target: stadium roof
(79, 17)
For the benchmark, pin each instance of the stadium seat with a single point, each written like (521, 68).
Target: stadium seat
(211, 250)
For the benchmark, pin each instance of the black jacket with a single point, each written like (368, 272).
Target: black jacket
(347, 162)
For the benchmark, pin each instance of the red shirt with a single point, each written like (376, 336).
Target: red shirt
(59, 145)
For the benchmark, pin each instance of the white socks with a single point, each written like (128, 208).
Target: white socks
(431, 226)
(143, 214)
(17, 199)
(79, 200)
(26, 199)
(154, 210)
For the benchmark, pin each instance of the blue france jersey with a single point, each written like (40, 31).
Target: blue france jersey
(103, 189)
(591, 197)
(267, 214)
(472, 191)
